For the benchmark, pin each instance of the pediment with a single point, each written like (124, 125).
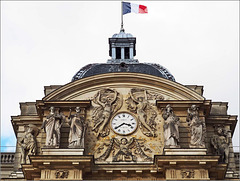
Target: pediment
(84, 89)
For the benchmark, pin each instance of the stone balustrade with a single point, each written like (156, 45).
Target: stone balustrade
(7, 157)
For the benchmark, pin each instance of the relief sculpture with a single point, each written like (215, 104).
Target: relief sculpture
(171, 132)
(187, 173)
(62, 174)
(28, 143)
(124, 153)
(138, 103)
(197, 128)
(77, 129)
(124, 150)
(52, 125)
(109, 101)
(220, 142)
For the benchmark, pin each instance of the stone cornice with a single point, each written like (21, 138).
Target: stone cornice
(89, 84)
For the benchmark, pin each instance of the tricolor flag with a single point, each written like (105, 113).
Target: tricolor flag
(133, 8)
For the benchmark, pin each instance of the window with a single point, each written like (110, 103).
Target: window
(118, 52)
(126, 53)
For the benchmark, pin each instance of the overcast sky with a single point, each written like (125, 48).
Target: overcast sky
(46, 43)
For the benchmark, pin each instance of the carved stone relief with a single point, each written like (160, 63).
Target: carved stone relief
(62, 174)
(108, 102)
(187, 173)
(52, 125)
(220, 143)
(124, 150)
(197, 128)
(171, 132)
(28, 143)
(138, 103)
(77, 129)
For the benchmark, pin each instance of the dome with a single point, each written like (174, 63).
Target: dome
(144, 68)
(122, 51)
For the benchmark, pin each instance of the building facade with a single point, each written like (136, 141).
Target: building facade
(122, 120)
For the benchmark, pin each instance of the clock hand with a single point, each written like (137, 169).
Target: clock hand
(119, 125)
(128, 124)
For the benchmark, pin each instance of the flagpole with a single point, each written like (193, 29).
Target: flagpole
(122, 16)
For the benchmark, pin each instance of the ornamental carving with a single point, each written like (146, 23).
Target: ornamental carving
(171, 132)
(138, 103)
(28, 143)
(220, 143)
(187, 173)
(124, 150)
(197, 128)
(62, 174)
(52, 125)
(77, 129)
(108, 102)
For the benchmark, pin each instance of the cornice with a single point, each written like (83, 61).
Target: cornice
(118, 80)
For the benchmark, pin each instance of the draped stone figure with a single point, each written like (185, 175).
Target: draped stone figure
(197, 128)
(52, 126)
(138, 103)
(220, 142)
(77, 129)
(108, 101)
(28, 143)
(171, 132)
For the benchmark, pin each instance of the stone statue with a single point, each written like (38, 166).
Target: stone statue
(109, 101)
(127, 150)
(77, 129)
(139, 104)
(220, 142)
(28, 143)
(197, 128)
(52, 126)
(171, 132)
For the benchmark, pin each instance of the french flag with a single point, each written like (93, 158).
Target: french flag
(133, 8)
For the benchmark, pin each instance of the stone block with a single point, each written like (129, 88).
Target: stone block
(55, 151)
(177, 151)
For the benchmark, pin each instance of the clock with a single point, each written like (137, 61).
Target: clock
(124, 123)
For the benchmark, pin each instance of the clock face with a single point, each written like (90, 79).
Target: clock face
(124, 124)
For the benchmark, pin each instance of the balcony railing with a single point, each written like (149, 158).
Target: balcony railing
(7, 157)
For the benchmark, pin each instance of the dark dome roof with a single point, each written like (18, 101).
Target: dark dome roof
(144, 68)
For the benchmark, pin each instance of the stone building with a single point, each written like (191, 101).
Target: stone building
(122, 120)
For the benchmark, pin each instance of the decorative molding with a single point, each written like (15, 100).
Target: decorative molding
(62, 174)
(93, 83)
(187, 173)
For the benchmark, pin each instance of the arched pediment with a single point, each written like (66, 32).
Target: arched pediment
(83, 89)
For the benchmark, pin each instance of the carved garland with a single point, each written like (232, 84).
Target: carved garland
(124, 150)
